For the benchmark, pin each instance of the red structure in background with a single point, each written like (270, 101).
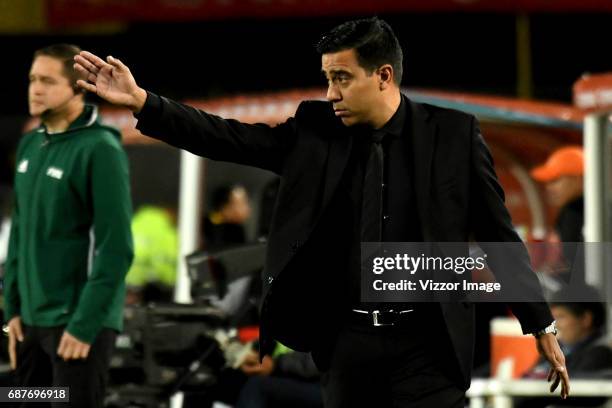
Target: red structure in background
(594, 92)
(63, 13)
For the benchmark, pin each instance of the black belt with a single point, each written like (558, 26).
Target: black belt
(380, 318)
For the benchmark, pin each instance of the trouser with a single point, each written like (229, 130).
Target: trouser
(399, 366)
(278, 392)
(38, 365)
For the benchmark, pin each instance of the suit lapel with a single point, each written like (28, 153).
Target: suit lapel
(423, 133)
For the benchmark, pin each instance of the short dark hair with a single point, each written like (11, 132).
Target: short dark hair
(220, 197)
(65, 54)
(373, 40)
(580, 299)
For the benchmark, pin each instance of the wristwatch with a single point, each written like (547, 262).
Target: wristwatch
(551, 328)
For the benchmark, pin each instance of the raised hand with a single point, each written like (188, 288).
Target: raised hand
(111, 80)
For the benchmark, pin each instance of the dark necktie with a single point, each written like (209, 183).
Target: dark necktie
(372, 200)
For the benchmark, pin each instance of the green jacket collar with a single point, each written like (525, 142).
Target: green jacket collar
(86, 119)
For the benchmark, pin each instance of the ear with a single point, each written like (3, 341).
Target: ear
(385, 76)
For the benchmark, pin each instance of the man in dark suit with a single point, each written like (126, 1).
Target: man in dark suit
(368, 165)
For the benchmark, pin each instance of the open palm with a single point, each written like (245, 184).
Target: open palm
(111, 80)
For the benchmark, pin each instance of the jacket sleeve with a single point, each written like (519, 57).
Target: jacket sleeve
(11, 291)
(109, 192)
(207, 135)
(492, 228)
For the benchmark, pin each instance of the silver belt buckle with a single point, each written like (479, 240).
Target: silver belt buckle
(375, 315)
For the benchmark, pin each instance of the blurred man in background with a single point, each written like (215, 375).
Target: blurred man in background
(224, 225)
(70, 242)
(563, 176)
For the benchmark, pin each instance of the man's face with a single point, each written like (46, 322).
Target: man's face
(564, 189)
(355, 95)
(238, 208)
(49, 88)
(572, 328)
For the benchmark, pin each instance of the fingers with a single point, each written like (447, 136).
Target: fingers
(565, 384)
(85, 73)
(84, 351)
(555, 384)
(63, 347)
(16, 327)
(559, 375)
(92, 59)
(117, 63)
(76, 352)
(87, 86)
(15, 333)
(85, 65)
(551, 371)
(12, 349)
(70, 348)
(81, 351)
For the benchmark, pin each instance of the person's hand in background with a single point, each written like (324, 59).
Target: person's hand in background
(15, 334)
(252, 366)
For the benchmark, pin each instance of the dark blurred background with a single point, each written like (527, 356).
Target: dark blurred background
(467, 49)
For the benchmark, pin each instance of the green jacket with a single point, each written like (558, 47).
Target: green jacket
(70, 245)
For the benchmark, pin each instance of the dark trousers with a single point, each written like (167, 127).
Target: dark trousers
(38, 365)
(278, 392)
(400, 366)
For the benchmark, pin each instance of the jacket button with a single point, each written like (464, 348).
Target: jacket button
(270, 280)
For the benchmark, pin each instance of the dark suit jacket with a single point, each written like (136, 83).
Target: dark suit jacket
(458, 197)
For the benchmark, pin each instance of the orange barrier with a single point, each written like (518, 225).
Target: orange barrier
(508, 341)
